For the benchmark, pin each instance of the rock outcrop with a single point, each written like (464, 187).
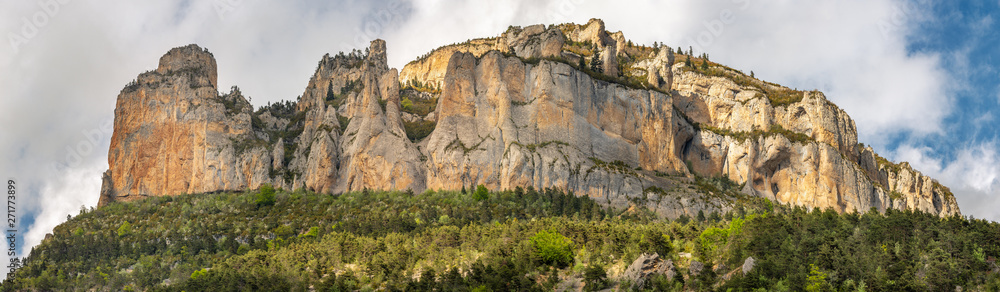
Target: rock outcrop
(645, 267)
(802, 153)
(546, 107)
(173, 133)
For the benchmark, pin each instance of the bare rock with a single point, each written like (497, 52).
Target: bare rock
(646, 266)
(375, 151)
(827, 170)
(174, 134)
(748, 265)
(533, 43)
(193, 60)
(504, 123)
(658, 69)
(695, 268)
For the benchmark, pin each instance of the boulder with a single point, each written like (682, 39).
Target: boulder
(695, 268)
(646, 266)
(748, 265)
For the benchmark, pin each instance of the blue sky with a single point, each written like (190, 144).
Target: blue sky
(919, 77)
(966, 33)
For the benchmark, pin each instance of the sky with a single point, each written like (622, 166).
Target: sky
(919, 77)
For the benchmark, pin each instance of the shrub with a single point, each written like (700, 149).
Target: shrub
(313, 232)
(816, 281)
(418, 130)
(595, 278)
(406, 104)
(481, 193)
(283, 231)
(552, 248)
(265, 196)
(198, 274)
(124, 229)
(343, 121)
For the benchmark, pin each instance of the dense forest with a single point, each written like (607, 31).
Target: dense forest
(477, 240)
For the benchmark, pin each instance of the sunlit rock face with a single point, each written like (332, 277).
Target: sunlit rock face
(570, 106)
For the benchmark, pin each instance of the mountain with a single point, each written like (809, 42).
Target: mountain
(567, 106)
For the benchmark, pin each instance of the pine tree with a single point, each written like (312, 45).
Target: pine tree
(596, 64)
(329, 92)
(688, 61)
(680, 51)
(704, 64)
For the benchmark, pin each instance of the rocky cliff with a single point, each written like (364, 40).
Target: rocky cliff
(173, 133)
(568, 106)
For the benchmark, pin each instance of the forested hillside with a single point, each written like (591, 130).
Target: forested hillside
(500, 241)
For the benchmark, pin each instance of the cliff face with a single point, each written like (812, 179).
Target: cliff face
(174, 134)
(804, 152)
(569, 106)
(504, 123)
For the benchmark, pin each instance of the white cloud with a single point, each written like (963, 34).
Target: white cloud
(61, 197)
(974, 175)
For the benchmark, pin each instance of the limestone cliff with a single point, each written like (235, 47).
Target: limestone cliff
(173, 133)
(567, 106)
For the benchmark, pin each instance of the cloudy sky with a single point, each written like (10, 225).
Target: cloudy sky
(919, 77)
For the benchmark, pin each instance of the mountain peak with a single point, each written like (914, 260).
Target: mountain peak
(190, 58)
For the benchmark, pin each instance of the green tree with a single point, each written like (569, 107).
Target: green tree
(552, 248)
(198, 274)
(329, 92)
(124, 229)
(265, 196)
(595, 278)
(704, 64)
(596, 64)
(481, 193)
(816, 281)
(312, 233)
(406, 103)
(688, 61)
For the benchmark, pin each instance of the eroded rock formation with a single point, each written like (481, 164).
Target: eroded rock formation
(569, 106)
